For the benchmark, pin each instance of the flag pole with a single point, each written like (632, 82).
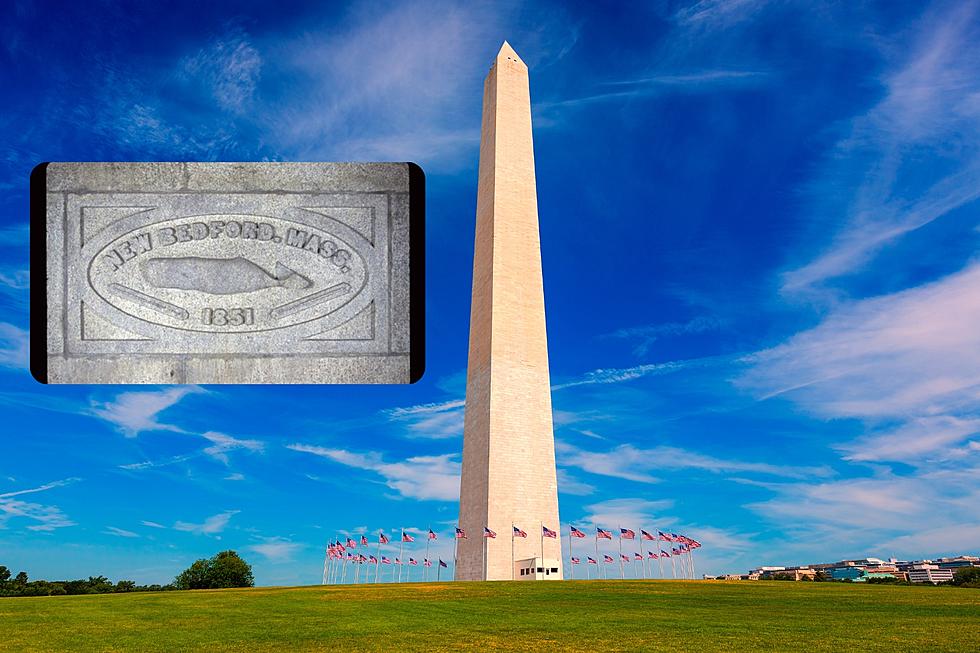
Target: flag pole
(485, 538)
(643, 561)
(401, 553)
(438, 571)
(377, 562)
(571, 567)
(426, 572)
(622, 572)
(512, 550)
(602, 573)
(541, 534)
(343, 574)
(660, 556)
(690, 552)
(455, 550)
(326, 566)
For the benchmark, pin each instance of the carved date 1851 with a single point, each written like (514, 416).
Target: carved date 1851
(228, 316)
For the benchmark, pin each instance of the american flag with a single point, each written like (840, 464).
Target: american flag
(373, 560)
(575, 532)
(413, 562)
(547, 532)
(592, 561)
(443, 564)
(460, 533)
(385, 560)
(603, 534)
(608, 558)
(675, 551)
(340, 547)
(406, 537)
(427, 563)
(398, 561)
(350, 556)
(382, 537)
(651, 555)
(364, 541)
(666, 537)
(626, 533)
(432, 536)
(646, 536)
(638, 556)
(575, 560)
(488, 533)
(519, 533)
(664, 554)
(624, 557)
(351, 543)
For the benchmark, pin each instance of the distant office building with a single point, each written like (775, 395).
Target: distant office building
(927, 573)
(957, 562)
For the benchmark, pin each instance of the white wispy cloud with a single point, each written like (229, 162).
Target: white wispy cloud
(276, 549)
(44, 517)
(14, 346)
(221, 444)
(119, 532)
(918, 442)
(569, 484)
(619, 375)
(211, 526)
(135, 412)
(418, 477)
(910, 160)
(230, 67)
(152, 524)
(627, 512)
(718, 14)
(387, 85)
(886, 512)
(635, 464)
(432, 420)
(910, 354)
(658, 84)
(647, 335)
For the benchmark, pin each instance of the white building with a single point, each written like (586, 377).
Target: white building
(534, 569)
(930, 574)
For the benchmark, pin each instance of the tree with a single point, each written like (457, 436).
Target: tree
(125, 586)
(20, 580)
(4, 575)
(226, 569)
(967, 577)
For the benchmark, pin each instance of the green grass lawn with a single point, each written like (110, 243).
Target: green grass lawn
(590, 616)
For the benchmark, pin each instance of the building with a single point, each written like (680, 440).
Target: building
(957, 562)
(534, 569)
(509, 477)
(927, 573)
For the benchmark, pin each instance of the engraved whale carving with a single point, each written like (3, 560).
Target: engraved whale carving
(219, 276)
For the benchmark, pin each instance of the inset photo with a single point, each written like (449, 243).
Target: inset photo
(227, 272)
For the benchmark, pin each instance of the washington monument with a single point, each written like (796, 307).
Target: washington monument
(509, 477)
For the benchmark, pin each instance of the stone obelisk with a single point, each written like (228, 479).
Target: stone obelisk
(509, 476)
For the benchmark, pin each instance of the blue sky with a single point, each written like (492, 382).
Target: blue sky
(760, 238)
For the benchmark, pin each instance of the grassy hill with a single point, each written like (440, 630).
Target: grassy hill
(568, 616)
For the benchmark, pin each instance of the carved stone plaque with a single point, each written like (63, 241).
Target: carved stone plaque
(228, 272)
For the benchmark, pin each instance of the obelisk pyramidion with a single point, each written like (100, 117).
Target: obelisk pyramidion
(508, 477)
